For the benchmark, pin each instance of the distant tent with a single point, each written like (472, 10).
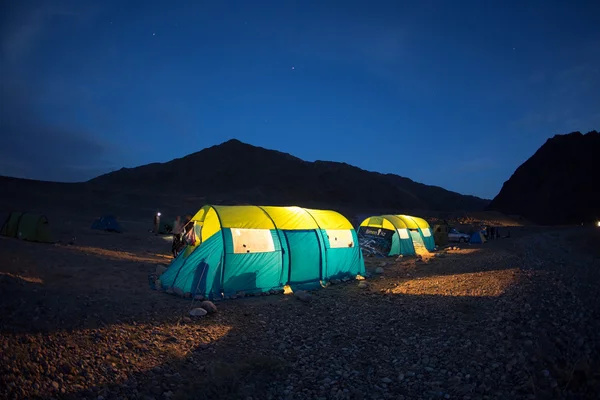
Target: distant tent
(107, 223)
(256, 249)
(27, 226)
(398, 234)
(420, 232)
(388, 234)
(477, 238)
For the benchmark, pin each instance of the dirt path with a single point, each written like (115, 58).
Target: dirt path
(512, 319)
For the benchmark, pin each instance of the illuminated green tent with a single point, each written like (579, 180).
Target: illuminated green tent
(256, 249)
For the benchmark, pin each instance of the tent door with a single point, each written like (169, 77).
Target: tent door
(305, 256)
(417, 239)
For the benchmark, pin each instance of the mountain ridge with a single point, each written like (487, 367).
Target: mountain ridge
(239, 172)
(557, 184)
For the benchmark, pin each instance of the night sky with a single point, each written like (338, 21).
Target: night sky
(450, 93)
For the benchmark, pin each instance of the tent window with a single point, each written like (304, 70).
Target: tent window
(340, 238)
(252, 240)
(403, 233)
(426, 232)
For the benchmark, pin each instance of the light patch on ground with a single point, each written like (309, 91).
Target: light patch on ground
(121, 255)
(29, 279)
(477, 284)
(120, 350)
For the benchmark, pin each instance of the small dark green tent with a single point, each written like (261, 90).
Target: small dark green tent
(27, 226)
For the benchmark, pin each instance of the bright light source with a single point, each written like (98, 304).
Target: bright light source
(158, 214)
(598, 224)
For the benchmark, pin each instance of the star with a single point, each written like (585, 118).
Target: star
(293, 67)
(153, 34)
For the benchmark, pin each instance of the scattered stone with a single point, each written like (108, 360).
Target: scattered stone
(198, 312)
(379, 270)
(209, 306)
(302, 295)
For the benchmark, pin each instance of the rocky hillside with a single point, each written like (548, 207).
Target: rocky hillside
(235, 172)
(559, 184)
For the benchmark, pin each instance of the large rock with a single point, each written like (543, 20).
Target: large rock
(209, 306)
(303, 296)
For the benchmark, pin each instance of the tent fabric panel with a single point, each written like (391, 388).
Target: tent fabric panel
(10, 227)
(342, 261)
(395, 248)
(288, 218)
(417, 239)
(327, 219)
(396, 221)
(279, 237)
(373, 221)
(201, 214)
(43, 233)
(378, 222)
(407, 247)
(31, 227)
(198, 273)
(252, 272)
(428, 238)
(264, 217)
(211, 224)
(421, 223)
(248, 217)
(408, 221)
(305, 256)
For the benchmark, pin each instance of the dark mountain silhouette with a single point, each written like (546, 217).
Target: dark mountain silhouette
(236, 173)
(559, 184)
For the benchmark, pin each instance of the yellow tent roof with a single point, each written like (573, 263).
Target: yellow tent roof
(414, 222)
(391, 222)
(395, 222)
(213, 218)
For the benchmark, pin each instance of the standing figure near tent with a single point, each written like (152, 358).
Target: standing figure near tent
(177, 230)
(156, 223)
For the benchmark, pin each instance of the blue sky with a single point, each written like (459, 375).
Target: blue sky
(450, 93)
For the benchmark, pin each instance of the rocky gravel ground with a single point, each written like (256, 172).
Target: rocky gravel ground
(511, 319)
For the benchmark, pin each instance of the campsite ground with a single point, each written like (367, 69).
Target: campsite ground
(514, 318)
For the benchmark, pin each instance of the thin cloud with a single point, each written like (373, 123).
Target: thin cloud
(24, 23)
(33, 148)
